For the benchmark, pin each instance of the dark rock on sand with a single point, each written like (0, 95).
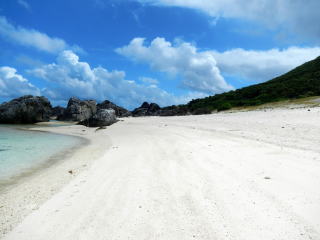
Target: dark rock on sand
(26, 109)
(141, 111)
(78, 110)
(153, 109)
(145, 105)
(146, 109)
(119, 111)
(57, 112)
(103, 117)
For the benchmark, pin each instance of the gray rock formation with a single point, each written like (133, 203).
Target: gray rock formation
(26, 109)
(119, 111)
(78, 110)
(57, 112)
(146, 109)
(139, 112)
(145, 105)
(153, 109)
(103, 117)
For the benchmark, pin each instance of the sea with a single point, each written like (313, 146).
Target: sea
(23, 150)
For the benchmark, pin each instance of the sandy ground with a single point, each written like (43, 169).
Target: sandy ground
(247, 175)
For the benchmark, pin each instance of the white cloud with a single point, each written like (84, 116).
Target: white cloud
(28, 60)
(149, 80)
(71, 77)
(197, 69)
(263, 65)
(32, 38)
(201, 70)
(298, 16)
(24, 4)
(14, 85)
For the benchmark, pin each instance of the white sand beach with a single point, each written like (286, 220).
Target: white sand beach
(243, 176)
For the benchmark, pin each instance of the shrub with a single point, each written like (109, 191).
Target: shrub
(224, 106)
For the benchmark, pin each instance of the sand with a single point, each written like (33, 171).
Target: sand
(246, 175)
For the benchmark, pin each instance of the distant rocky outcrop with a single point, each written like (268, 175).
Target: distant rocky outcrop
(103, 117)
(146, 109)
(78, 110)
(179, 110)
(57, 112)
(119, 111)
(141, 111)
(26, 109)
(153, 109)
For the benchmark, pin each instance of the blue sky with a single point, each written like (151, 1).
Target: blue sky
(164, 51)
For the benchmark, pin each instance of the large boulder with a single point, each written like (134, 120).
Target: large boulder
(103, 117)
(119, 111)
(26, 109)
(78, 110)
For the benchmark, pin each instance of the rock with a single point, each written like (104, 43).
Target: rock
(78, 110)
(26, 109)
(145, 105)
(103, 117)
(141, 111)
(119, 111)
(57, 112)
(153, 109)
(146, 109)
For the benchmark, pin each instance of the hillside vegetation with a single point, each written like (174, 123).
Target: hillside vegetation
(303, 81)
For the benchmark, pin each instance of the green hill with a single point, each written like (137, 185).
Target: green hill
(303, 81)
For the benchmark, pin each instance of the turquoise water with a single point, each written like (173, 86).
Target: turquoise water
(22, 151)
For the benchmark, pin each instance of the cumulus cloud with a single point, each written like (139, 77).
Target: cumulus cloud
(299, 16)
(33, 38)
(201, 70)
(263, 65)
(14, 85)
(197, 69)
(71, 77)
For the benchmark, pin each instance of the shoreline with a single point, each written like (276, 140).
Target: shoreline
(47, 163)
(27, 192)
